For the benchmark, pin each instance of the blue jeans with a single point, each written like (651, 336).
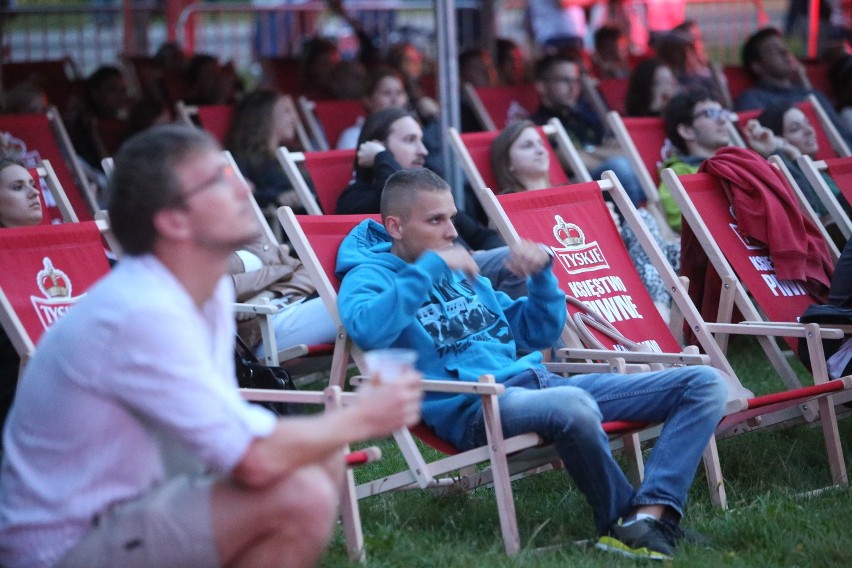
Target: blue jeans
(620, 166)
(492, 265)
(690, 401)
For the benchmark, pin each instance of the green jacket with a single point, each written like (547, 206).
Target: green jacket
(681, 165)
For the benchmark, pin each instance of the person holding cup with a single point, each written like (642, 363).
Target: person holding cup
(406, 285)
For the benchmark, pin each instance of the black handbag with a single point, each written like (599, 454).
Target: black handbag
(252, 374)
(824, 314)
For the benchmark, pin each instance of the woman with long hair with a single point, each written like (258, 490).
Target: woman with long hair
(263, 121)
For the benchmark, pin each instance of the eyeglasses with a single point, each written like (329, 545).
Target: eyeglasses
(223, 174)
(713, 113)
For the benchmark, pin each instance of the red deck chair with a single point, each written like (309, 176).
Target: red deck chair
(330, 171)
(840, 171)
(473, 150)
(593, 265)
(44, 271)
(496, 107)
(614, 92)
(316, 240)
(731, 81)
(749, 281)
(816, 74)
(326, 120)
(606, 94)
(45, 135)
(216, 119)
(644, 141)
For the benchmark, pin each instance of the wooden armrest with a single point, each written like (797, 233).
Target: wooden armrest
(293, 352)
(775, 329)
(635, 356)
(260, 309)
(580, 368)
(459, 387)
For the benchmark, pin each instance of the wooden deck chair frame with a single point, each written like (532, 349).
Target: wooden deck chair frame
(507, 457)
(594, 91)
(813, 170)
(63, 140)
(327, 196)
(316, 129)
(564, 151)
(480, 108)
(736, 295)
(46, 173)
(772, 409)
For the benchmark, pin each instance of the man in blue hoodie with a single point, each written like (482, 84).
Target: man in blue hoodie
(406, 285)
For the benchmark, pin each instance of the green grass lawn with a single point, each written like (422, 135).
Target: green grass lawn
(770, 522)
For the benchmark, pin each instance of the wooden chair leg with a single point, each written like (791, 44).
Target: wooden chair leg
(502, 482)
(633, 454)
(349, 512)
(713, 471)
(833, 447)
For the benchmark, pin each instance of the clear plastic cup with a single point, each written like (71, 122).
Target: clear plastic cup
(389, 364)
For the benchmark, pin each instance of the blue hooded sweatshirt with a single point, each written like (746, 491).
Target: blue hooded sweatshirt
(460, 328)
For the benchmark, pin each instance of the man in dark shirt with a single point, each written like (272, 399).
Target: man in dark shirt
(768, 60)
(557, 81)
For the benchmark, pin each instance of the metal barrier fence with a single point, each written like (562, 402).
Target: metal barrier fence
(94, 34)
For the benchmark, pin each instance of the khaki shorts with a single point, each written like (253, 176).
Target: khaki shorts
(170, 526)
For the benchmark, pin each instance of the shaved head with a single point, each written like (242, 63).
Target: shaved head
(400, 191)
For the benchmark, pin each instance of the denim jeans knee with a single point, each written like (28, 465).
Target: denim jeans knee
(620, 166)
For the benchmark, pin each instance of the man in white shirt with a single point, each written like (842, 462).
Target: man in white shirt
(128, 443)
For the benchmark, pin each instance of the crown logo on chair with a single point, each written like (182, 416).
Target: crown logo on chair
(569, 234)
(53, 283)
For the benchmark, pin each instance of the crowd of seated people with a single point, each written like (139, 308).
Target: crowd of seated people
(401, 132)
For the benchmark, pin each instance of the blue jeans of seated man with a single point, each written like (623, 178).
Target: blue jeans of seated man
(620, 166)
(690, 401)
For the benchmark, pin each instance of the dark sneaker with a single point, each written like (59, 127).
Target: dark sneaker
(688, 536)
(649, 539)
